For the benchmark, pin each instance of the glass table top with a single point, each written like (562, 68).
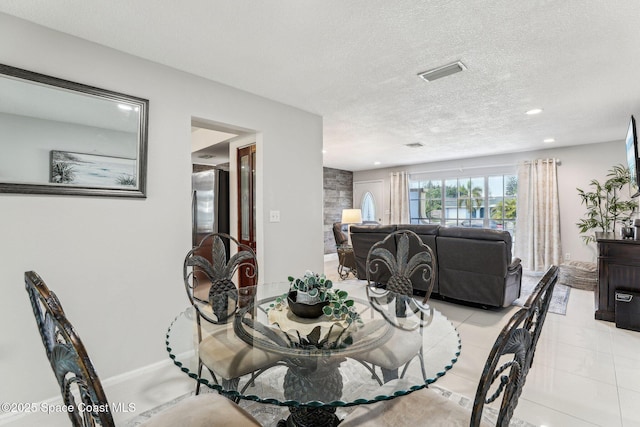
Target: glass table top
(264, 352)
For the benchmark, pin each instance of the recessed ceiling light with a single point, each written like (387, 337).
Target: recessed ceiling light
(549, 140)
(376, 163)
(534, 111)
(324, 151)
(444, 71)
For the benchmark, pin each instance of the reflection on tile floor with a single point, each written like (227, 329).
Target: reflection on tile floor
(586, 372)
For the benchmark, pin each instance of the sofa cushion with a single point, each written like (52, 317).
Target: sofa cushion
(367, 236)
(473, 265)
(421, 229)
(478, 234)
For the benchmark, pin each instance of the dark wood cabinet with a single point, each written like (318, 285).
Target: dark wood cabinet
(618, 268)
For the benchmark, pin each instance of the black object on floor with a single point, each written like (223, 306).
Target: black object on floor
(628, 309)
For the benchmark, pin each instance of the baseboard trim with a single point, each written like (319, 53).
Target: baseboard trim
(108, 383)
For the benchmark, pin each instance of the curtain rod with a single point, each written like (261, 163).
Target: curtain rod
(544, 160)
(464, 168)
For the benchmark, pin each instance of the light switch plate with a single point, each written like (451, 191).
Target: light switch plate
(274, 216)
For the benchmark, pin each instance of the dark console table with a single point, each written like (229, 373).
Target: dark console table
(618, 268)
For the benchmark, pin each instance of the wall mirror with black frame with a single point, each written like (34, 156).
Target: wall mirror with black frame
(62, 137)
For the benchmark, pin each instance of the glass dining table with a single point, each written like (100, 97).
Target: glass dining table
(392, 347)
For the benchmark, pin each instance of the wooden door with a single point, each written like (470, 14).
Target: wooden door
(247, 206)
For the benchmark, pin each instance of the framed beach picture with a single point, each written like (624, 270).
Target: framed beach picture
(92, 170)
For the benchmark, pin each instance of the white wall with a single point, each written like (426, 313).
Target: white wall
(27, 144)
(579, 165)
(116, 263)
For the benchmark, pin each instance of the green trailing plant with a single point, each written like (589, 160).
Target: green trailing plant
(605, 206)
(315, 285)
(340, 306)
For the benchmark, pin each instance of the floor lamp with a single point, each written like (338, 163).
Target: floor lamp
(351, 216)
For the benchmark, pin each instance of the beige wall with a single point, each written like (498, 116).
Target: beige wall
(116, 264)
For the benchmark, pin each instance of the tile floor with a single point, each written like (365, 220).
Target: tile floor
(586, 371)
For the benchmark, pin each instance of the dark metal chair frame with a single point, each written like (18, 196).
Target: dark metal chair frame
(518, 338)
(346, 257)
(78, 378)
(69, 360)
(220, 275)
(402, 269)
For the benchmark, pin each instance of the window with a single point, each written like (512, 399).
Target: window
(368, 207)
(478, 201)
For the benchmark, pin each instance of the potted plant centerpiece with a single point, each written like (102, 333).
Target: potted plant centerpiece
(308, 294)
(313, 295)
(310, 288)
(339, 314)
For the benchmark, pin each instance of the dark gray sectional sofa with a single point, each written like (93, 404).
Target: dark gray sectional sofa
(474, 264)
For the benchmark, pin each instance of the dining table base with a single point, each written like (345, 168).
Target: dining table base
(313, 380)
(311, 417)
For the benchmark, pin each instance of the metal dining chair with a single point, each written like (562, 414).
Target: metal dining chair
(502, 379)
(413, 260)
(208, 272)
(346, 257)
(80, 385)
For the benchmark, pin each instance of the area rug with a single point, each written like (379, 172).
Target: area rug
(559, 300)
(269, 415)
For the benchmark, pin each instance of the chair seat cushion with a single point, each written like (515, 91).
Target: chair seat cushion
(204, 410)
(420, 408)
(230, 357)
(400, 349)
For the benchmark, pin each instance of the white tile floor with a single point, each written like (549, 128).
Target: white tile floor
(586, 372)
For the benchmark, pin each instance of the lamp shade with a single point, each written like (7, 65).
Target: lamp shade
(351, 216)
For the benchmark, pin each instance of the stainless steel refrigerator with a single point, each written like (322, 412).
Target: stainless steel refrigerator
(210, 203)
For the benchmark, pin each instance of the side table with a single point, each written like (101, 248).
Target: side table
(618, 268)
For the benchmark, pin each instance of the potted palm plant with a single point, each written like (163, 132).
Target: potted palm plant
(605, 204)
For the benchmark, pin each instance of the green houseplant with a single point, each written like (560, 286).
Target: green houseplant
(604, 203)
(311, 288)
(318, 290)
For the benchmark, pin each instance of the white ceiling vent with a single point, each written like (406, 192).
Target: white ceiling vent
(206, 156)
(414, 145)
(444, 71)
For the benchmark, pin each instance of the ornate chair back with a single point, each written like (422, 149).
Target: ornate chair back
(346, 257)
(339, 236)
(539, 301)
(512, 354)
(208, 273)
(413, 260)
(69, 360)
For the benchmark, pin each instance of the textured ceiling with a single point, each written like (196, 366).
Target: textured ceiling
(355, 63)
